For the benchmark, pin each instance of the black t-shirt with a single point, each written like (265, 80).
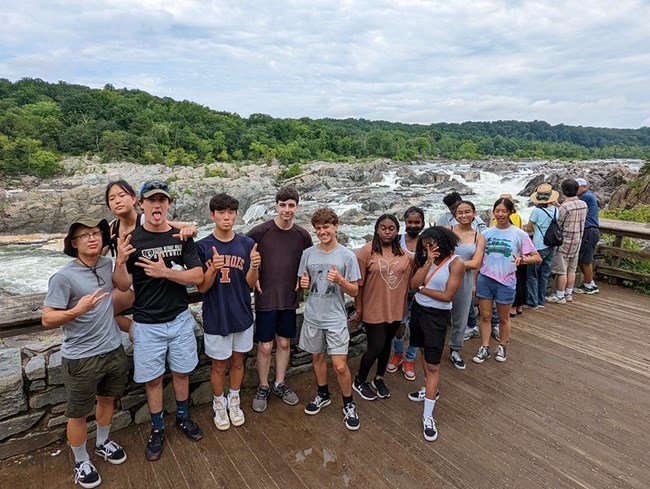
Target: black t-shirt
(158, 300)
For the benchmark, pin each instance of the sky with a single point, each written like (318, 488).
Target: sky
(583, 62)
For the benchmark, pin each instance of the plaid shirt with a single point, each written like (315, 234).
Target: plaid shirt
(573, 213)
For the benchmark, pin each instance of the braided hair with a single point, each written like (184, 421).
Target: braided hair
(376, 242)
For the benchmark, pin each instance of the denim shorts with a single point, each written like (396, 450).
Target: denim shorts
(154, 343)
(488, 288)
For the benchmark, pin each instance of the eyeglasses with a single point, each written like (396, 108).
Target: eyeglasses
(154, 185)
(86, 236)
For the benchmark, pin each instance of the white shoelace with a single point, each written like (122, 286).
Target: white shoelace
(83, 470)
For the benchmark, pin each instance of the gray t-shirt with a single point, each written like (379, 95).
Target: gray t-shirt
(448, 219)
(94, 332)
(325, 306)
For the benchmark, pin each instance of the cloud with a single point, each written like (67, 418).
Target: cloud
(574, 62)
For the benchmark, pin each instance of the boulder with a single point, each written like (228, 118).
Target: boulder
(12, 393)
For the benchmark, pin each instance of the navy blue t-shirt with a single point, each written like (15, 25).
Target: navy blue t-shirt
(227, 304)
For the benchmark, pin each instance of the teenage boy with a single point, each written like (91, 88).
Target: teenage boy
(231, 265)
(590, 238)
(160, 265)
(328, 270)
(94, 363)
(281, 241)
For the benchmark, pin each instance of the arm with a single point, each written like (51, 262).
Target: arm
(529, 259)
(213, 265)
(530, 227)
(456, 274)
(253, 274)
(477, 259)
(158, 269)
(53, 318)
(185, 229)
(121, 276)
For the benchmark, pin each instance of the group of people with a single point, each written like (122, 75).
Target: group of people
(421, 281)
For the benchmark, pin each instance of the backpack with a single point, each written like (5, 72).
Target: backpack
(553, 236)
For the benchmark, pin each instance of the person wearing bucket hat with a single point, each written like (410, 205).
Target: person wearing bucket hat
(160, 265)
(545, 211)
(94, 363)
(590, 238)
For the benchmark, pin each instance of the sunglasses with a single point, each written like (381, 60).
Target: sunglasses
(154, 185)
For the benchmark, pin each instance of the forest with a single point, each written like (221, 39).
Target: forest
(41, 123)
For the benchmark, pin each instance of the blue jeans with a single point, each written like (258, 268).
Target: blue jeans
(537, 279)
(398, 347)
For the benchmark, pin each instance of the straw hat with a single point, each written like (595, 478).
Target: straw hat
(544, 194)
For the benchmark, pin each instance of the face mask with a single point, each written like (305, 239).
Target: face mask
(413, 232)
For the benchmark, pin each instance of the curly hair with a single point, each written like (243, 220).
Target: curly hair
(376, 242)
(443, 237)
(325, 215)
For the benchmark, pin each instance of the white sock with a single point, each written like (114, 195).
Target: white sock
(591, 284)
(102, 434)
(568, 291)
(221, 398)
(559, 293)
(233, 393)
(80, 453)
(429, 404)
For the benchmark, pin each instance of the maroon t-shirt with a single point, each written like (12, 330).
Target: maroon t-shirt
(280, 250)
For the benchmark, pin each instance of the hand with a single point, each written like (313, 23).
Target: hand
(304, 280)
(355, 319)
(333, 275)
(217, 262)
(474, 290)
(155, 269)
(88, 302)
(124, 248)
(186, 232)
(519, 260)
(256, 258)
(432, 253)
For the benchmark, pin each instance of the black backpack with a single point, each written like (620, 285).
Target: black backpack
(553, 236)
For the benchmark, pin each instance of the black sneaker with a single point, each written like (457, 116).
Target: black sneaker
(429, 429)
(418, 396)
(190, 428)
(317, 404)
(380, 387)
(85, 474)
(350, 416)
(457, 360)
(111, 452)
(154, 448)
(364, 390)
(482, 354)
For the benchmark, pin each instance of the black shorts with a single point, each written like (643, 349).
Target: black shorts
(429, 330)
(268, 324)
(590, 239)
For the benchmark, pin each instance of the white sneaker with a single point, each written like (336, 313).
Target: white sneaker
(501, 354)
(221, 420)
(235, 412)
(554, 299)
(429, 429)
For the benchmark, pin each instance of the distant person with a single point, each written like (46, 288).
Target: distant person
(414, 224)
(590, 239)
(231, 269)
(545, 200)
(448, 218)
(438, 276)
(329, 270)
(160, 265)
(281, 242)
(506, 246)
(573, 213)
(385, 275)
(94, 364)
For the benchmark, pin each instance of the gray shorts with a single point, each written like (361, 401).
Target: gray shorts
(315, 340)
(221, 347)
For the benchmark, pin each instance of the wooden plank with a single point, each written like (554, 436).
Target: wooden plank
(18, 310)
(611, 271)
(623, 253)
(625, 228)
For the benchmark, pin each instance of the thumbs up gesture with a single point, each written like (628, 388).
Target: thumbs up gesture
(256, 258)
(217, 261)
(333, 275)
(304, 280)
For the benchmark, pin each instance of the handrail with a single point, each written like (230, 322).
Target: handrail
(621, 230)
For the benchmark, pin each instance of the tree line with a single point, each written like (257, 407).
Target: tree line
(41, 123)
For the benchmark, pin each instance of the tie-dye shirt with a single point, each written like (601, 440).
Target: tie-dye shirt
(502, 246)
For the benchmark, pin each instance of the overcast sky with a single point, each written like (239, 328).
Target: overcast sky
(583, 62)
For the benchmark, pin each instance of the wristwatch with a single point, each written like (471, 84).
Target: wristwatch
(420, 288)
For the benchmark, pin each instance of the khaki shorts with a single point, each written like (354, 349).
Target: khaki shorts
(316, 340)
(102, 375)
(562, 265)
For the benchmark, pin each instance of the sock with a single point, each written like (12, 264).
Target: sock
(590, 285)
(559, 293)
(157, 421)
(347, 400)
(323, 390)
(277, 383)
(80, 453)
(429, 404)
(233, 393)
(568, 291)
(221, 398)
(182, 408)
(102, 434)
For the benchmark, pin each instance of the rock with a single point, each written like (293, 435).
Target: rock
(12, 394)
(35, 368)
(169, 399)
(50, 396)
(54, 370)
(19, 424)
(37, 385)
(627, 196)
(121, 420)
(142, 415)
(36, 342)
(57, 421)
(202, 394)
(133, 400)
(30, 442)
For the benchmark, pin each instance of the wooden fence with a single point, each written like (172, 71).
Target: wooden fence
(621, 230)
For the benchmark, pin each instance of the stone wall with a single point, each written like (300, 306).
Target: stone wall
(33, 399)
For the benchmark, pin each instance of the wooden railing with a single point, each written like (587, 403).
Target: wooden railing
(621, 230)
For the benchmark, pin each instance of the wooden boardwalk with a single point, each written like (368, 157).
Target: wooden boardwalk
(570, 408)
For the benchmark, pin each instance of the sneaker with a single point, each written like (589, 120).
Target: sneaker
(380, 387)
(287, 395)
(457, 360)
(111, 452)
(221, 420)
(85, 474)
(394, 363)
(429, 428)
(583, 289)
(364, 390)
(155, 445)
(407, 368)
(495, 332)
(501, 354)
(568, 297)
(482, 354)
(350, 416)
(317, 404)
(471, 333)
(235, 412)
(190, 428)
(554, 299)
(418, 396)
(261, 398)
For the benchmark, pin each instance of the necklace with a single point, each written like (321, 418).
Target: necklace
(100, 281)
